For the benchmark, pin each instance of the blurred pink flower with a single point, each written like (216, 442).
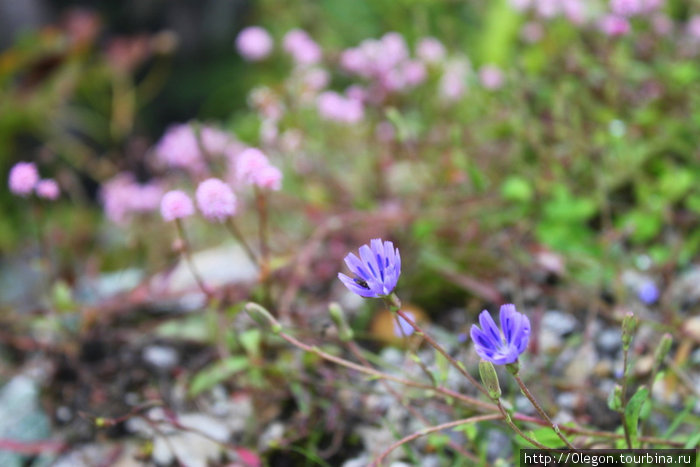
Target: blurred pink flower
(176, 204)
(178, 148)
(269, 177)
(254, 43)
(385, 131)
(414, 72)
(215, 141)
(356, 92)
(301, 47)
(48, 189)
(430, 50)
(662, 24)
(520, 5)
(532, 32)
(453, 84)
(215, 200)
(122, 197)
(23, 178)
(334, 106)
(491, 77)
(693, 27)
(626, 8)
(253, 167)
(614, 26)
(315, 79)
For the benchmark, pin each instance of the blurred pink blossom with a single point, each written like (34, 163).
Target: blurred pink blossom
(48, 189)
(215, 200)
(614, 26)
(491, 77)
(532, 32)
(693, 27)
(176, 204)
(253, 167)
(23, 178)
(254, 43)
(301, 47)
(336, 107)
(453, 84)
(626, 8)
(178, 148)
(122, 197)
(430, 50)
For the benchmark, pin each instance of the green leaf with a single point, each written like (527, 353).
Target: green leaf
(250, 340)
(693, 441)
(517, 189)
(217, 372)
(632, 411)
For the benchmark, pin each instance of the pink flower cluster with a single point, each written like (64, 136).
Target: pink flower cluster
(176, 204)
(253, 167)
(215, 200)
(254, 43)
(339, 108)
(573, 10)
(123, 196)
(301, 47)
(386, 62)
(24, 179)
(182, 148)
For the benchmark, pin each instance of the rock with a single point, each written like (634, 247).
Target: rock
(609, 341)
(219, 266)
(691, 328)
(21, 416)
(560, 323)
(160, 357)
(271, 436)
(498, 445)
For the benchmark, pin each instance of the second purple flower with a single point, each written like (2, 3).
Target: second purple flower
(376, 270)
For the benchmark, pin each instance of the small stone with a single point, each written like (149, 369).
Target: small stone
(161, 357)
(561, 323)
(603, 368)
(567, 400)
(498, 444)
(609, 341)
(692, 328)
(644, 365)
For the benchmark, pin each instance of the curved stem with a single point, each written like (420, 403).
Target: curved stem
(187, 252)
(241, 239)
(432, 429)
(539, 409)
(395, 305)
(509, 422)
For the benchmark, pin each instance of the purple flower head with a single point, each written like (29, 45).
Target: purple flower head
(48, 189)
(648, 292)
(215, 199)
(490, 343)
(176, 205)
(23, 178)
(376, 271)
(254, 43)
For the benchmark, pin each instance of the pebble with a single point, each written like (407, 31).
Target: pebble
(691, 327)
(160, 357)
(609, 341)
(559, 322)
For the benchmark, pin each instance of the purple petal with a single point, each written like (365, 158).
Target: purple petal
(507, 316)
(370, 261)
(357, 267)
(354, 287)
(489, 328)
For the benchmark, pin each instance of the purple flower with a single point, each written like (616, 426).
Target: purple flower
(648, 292)
(176, 204)
(215, 200)
(376, 273)
(48, 189)
(23, 178)
(490, 343)
(254, 43)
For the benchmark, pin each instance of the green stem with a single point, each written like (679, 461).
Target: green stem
(542, 413)
(187, 252)
(395, 306)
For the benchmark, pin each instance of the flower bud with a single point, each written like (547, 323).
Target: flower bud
(490, 379)
(663, 349)
(615, 398)
(338, 316)
(629, 327)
